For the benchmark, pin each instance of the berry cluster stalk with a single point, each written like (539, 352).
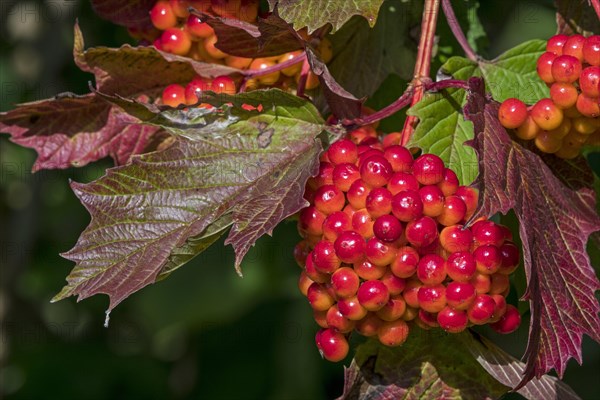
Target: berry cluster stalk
(457, 31)
(423, 64)
(596, 5)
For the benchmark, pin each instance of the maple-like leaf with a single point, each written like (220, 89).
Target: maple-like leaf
(151, 216)
(314, 14)
(429, 365)
(555, 221)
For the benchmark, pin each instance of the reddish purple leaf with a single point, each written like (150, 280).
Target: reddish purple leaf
(271, 37)
(576, 16)
(342, 103)
(74, 131)
(555, 223)
(131, 14)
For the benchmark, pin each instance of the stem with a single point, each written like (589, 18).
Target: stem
(422, 67)
(303, 78)
(596, 5)
(252, 73)
(457, 31)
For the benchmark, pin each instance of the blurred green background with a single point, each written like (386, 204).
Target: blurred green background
(204, 332)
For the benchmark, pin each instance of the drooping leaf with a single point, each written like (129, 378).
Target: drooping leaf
(272, 36)
(341, 103)
(509, 371)
(314, 14)
(132, 14)
(429, 365)
(150, 216)
(512, 74)
(72, 131)
(555, 223)
(576, 16)
(365, 56)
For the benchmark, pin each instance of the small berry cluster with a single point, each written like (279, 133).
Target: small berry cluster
(181, 33)
(570, 118)
(384, 246)
(175, 94)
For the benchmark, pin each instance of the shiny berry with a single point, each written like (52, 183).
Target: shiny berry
(456, 238)
(345, 282)
(555, 44)
(546, 114)
(173, 95)
(379, 202)
(510, 258)
(387, 228)
(399, 158)
(376, 171)
(369, 325)
(344, 175)
(421, 232)
(405, 263)
(407, 205)
(343, 152)
(194, 90)
(481, 282)
(481, 310)
(394, 284)
(176, 41)
(544, 67)
(336, 321)
(487, 258)
(471, 198)
(393, 309)
(460, 266)
(329, 199)
(487, 232)
(460, 295)
(368, 271)
(162, 15)
(198, 29)
(564, 95)
(431, 269)
(349, 247)
(357, 194)
(449, 184)
(509, 322)
(432, 199)
(319, 297)
(574, 47)
(351, 308)
(379, 252)
(401, 181)
(566, 69)
(362, 222)
(312, 272)
(393, 333)
(512, 113)
(588, 106)
(373, 295)
(499, 283)
(453, 212)
(591, 50)
(325, 258)
(311, 221)
(452, 320)
(428, 169)
(333, 345)
(411, 292)
(432, 298)
(334, 224)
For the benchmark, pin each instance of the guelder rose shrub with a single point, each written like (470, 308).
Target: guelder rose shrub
(231, 116)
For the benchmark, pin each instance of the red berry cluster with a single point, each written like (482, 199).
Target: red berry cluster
(179, 32)
(570, 118)
(175, 94)
(384, 246)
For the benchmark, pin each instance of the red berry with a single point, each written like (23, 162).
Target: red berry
(368, 271)
(393, 310)
(499, 283)
(304, 283)
(460, 295)
(329, 199)
(362, 222)
(456, 238)
(379, 202)
(509, 322)
(481, 310)
(500, 308)
(320, 318)
(369, 325)
(431, 269)
(399, 158)
(428, 169)
(334, 224)
(487, 232)
(510, 258)
(312, 272)
(198, 29)
(394, 284)
(376, 171)
(411, 292)
(449, 184)
(451, 320)
(555, 44)
(379, 252)
(325, 258)
(301, 251)
(432, 199)
(310, 221)
(421, 232)
(350, 247)
(453, 212)
(173, 95)
(223, 84)
(176, 41)
(512, 113)
(345, 282)
(432, 298)
(405, 263)
(343, 152)
(373, 295)
(194, 90)
(574, 46)
(180, 8)
(332, 345)
(325, 175)
(407, 205)
(591, 50)
(544, 67)
(588, 106)
(471, 198)
(461, 266)
(351, 308)
(387, 228)
(344, 175)
(401, 181)
(566, 69)
(481, 282)
(393, 333)
(589, 81)
(336, 321)
(319, 297)
(427, 320)
(564, 95)
(357, 194)
(487, 258)
(162, 15)
(546, 114)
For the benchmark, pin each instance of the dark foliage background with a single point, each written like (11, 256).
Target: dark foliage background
(203, 333)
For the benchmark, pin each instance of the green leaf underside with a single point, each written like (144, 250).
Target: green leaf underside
(429, 365)
(442, 129)
(314, 14)
(556, 211)
(244, 165)
(576, 16)
(365, 56)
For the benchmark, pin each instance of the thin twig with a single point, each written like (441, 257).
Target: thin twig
(252, 73)
(596, 5)
(423, 64)
(457, 31)
(303, 78)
